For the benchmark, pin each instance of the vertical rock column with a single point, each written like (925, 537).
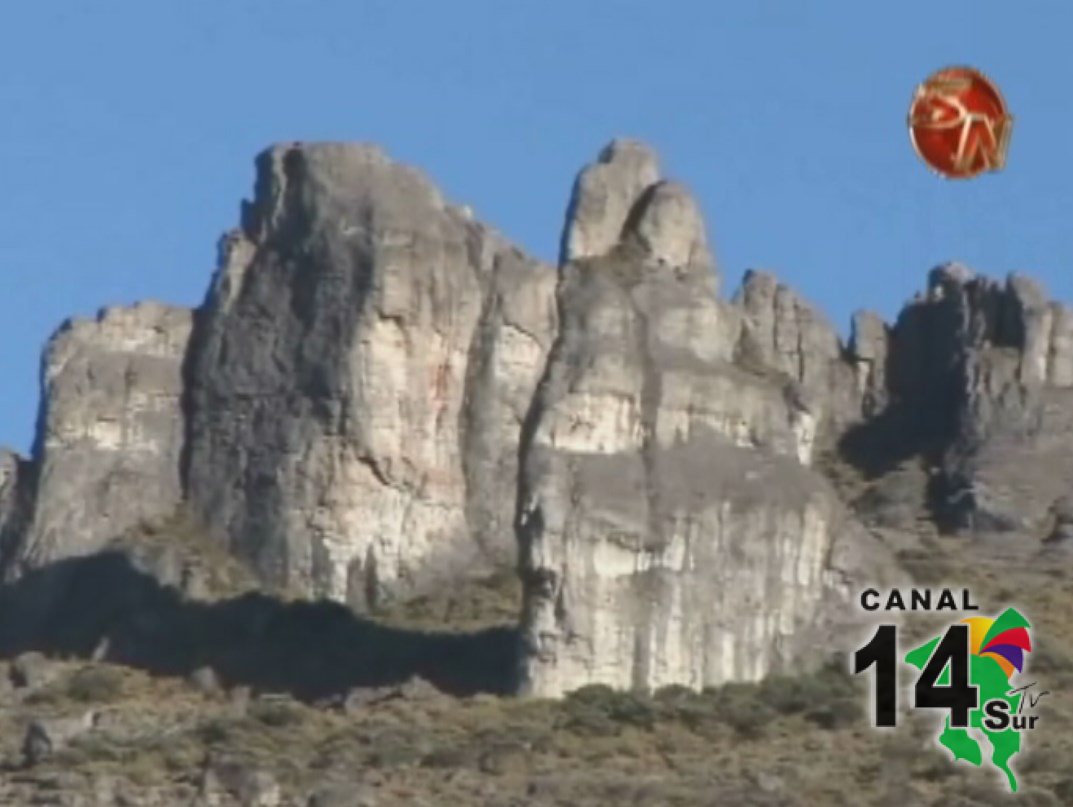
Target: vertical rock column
(109, 440)
(367, 357)
(15, 491)
(670, 529)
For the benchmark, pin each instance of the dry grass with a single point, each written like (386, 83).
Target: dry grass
(801, 740)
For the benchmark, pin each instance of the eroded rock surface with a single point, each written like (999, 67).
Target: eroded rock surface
(15, 502)
(671, 530)
(367, 356)
(381, 396)
(111, 433)
(978, 379)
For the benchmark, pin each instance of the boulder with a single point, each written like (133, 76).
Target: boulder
(32, 670)
(45, 737)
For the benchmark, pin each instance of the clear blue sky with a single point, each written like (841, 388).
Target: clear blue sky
(128, 129)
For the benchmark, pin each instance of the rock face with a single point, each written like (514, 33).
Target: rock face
(380, 396)
(979, 378)
(366, 357)
(604, 195)
(784, 333)
(111, 432)
(670, 529)
(15, 501)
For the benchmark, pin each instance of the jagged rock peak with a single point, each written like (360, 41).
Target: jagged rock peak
(364, 359)
(948, 274)
(296, 180)
(785, 332)
(667, 225)
(621, 198)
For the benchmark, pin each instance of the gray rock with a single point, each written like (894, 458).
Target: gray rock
(604, 195)
(45, 737)
(790, 336)
(15, 502)
(898, 499)
(205, 681)
(111, 433)
(979, 380)
(32, 670)
(367, 355)
(414, 689)
(869, 350)
(667, 226)
(239, 699)
(381, 396)
(670, 529)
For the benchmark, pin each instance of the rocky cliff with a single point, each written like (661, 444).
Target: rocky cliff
(670, 526)
(111, 429)
(382, 397)
(15, 500)
(365, 358)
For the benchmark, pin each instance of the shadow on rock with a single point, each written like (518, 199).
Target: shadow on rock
(102, 606)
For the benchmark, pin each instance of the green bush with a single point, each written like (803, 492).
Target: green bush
(277, 714)
(836, 713)
(827, 697)
(95, 685)
(215, 732)
(599, 710)
(739, 706)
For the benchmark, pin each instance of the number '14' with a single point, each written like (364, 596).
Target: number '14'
(952, 651)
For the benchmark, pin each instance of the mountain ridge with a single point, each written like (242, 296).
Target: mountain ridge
(382, 397)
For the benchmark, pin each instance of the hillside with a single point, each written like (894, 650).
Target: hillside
(401, 515)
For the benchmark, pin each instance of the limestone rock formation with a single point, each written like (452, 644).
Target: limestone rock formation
(15, 499)
(604, 195)
(365, 358)
(381, 395)
(670, 529)
(109, 442)
(979, 379)
(869, 351)
(785, 333)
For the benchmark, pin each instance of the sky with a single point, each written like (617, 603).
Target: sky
(128, 130)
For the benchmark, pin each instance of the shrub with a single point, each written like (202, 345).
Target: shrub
(95, 684)
(836, 713)
(600, 710)
(214, 732)
(828, 697)
(740, 707)
(277, 714)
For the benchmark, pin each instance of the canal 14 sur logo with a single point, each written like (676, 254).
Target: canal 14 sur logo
(974, 671)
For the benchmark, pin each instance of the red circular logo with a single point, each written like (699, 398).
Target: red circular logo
(959, 123)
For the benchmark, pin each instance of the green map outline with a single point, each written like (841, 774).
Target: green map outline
(986, 674)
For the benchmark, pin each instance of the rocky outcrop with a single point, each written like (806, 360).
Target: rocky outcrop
(111, 432)
(381, 395)
(979, 378)
(869, 352)
(366, 357)
(15, 501)
(604, 194)
(670, 529)
(786, 334)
